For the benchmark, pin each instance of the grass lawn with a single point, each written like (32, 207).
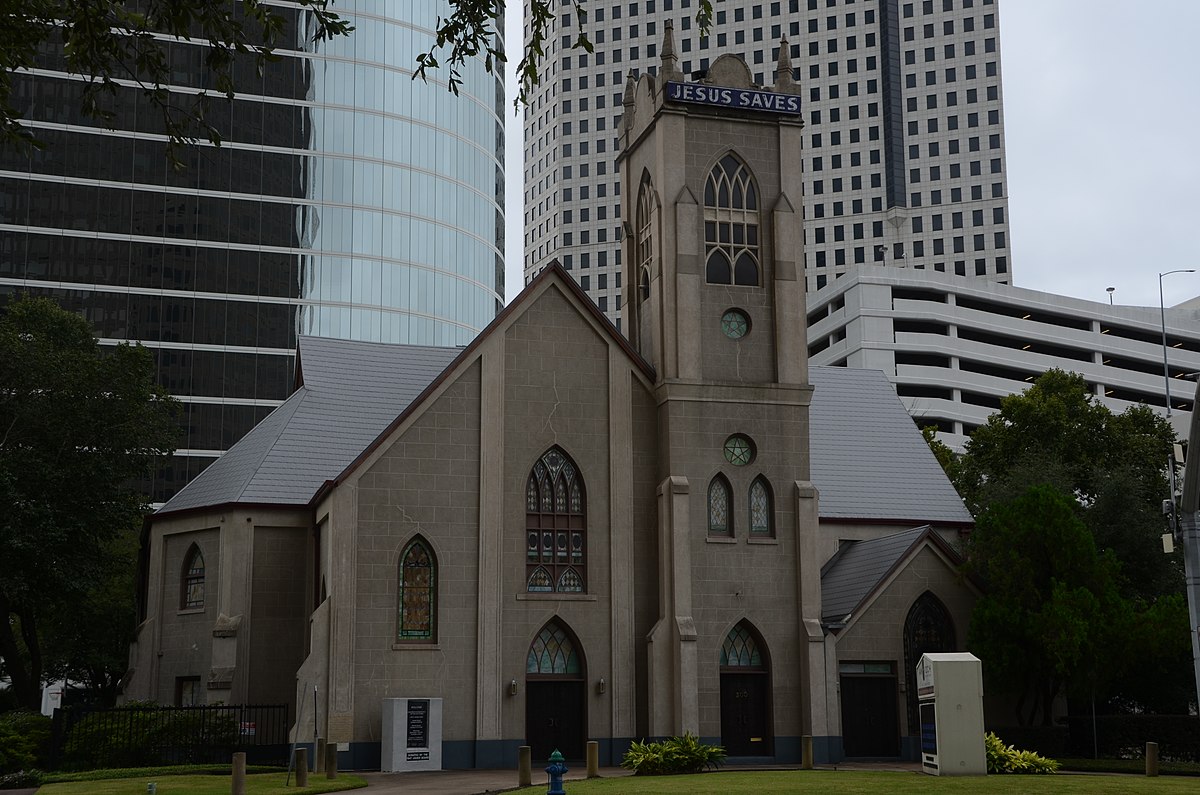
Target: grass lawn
(261, 784)
(853, 782)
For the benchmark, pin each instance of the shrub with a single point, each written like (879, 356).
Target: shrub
(24, 741)
(22, 779)
(143, 735)
(684, 754)
(1003, 758)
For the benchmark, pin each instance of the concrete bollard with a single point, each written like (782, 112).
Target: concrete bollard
(331, 760)
(301, 767)
(593, 759)
(238, 787)
(1151, 759)
(806, 752)
(319, 759)
(524, 766)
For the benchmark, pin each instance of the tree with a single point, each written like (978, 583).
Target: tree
(471, 28)
(1050, 610)
(108, 40)
(1057, 433)
(77, 423)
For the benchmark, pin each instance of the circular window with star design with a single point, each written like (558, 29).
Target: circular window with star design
(735, 324)
(739, 450)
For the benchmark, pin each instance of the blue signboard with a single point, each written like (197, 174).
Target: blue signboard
(739, 98)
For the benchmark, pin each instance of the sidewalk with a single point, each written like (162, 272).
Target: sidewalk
(464, 782)
(478, 782)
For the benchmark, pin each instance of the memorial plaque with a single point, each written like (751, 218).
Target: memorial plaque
(416, 756)
(418, 723)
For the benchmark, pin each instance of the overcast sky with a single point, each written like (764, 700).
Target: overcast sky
(1102, 128)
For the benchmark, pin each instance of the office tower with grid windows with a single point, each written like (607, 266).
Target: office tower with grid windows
(903, 143)
(347, 200)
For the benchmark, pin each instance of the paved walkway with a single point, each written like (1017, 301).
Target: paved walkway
(463, 782)
(479, 782)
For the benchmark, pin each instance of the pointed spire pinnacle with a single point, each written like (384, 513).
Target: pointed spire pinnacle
(785, 59)
(627, 99)
(670, 61)
(783, 70)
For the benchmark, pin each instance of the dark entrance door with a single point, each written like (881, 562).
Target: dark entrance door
(744, 718)
(554, 719)
(870, 725)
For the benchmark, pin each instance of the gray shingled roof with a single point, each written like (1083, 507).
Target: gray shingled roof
(857, 568)
(869, 460)
(351, 391)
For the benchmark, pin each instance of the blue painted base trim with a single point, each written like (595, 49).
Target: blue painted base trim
(502, 754)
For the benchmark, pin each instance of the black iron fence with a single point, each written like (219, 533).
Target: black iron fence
(85, 737)
(1112, 737)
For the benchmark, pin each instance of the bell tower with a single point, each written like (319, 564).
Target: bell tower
(714, 260)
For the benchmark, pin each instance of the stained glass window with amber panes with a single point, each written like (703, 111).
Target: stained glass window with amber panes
(555, 526)
(417, 612)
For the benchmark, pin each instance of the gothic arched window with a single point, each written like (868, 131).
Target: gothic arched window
(416, 612)
(731, 224)
(928, 628)
(645, 235)
(720, 521)
(191, 591)
(555, 525)
(761, 512)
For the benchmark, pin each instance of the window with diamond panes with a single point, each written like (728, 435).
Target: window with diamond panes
(719, 498)
(553, 653)
(731, 224)
(191, 595)
(417, 598)
(740, 650)
(760, 508)
(555, 524)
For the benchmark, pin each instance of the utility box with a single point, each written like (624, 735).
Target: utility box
(950, 703)
(412, 735)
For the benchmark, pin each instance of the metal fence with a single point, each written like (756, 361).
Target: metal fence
(85, 737)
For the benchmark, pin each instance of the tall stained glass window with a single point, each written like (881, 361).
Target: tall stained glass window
(417, 607)
(192, 585)
(555, 526)
(731, 224)
(718, 507)
(760, 508)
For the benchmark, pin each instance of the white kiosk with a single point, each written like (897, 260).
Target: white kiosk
(950, 702)
(412, 735)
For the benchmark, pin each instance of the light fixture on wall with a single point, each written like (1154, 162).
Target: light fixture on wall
(512, 687)
(601, 686)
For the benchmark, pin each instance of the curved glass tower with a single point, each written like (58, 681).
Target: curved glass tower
(345, 200)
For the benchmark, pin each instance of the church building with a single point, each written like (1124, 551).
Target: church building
(567, 534)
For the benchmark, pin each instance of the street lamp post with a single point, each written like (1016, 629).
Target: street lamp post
(1187, 536)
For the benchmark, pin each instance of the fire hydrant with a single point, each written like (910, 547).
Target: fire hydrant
(556, 769)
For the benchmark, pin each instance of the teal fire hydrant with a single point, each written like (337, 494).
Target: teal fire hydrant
(556, 769)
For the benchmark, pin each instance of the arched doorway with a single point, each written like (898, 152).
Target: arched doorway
(555, 690)
(928, 628)
(745, 694)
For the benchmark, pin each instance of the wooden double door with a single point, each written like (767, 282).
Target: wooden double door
(555, 719)
(870, 715)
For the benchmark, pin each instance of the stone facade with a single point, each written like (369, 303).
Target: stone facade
(674, 621)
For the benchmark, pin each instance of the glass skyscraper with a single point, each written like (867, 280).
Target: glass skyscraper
(346, 200)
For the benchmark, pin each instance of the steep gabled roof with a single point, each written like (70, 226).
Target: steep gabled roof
(869, 461)
(349, 391)
(860, 568)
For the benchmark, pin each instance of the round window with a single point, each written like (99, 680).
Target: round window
(739, 450)
(735, 324)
